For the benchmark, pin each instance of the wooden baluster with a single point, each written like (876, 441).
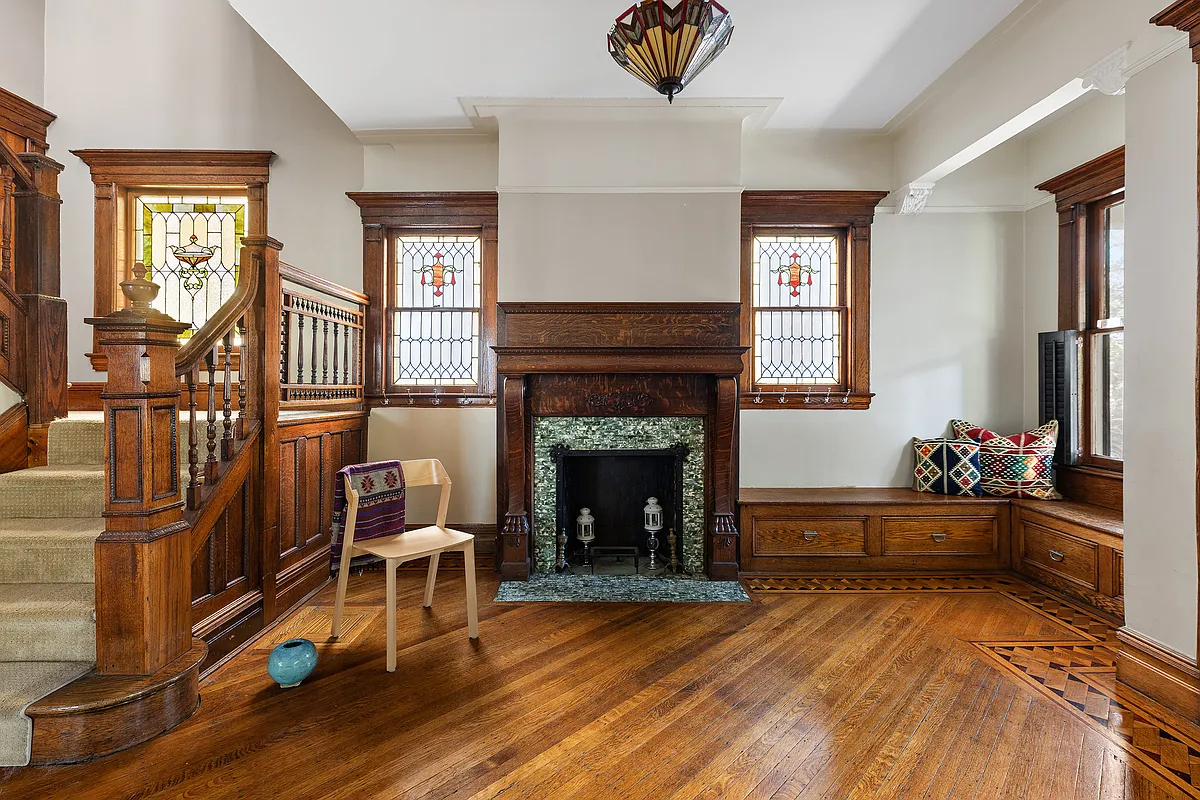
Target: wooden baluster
(300, 340)
(325, 353)
(241, 420)
(335, 353)
(346, 356)
(315, 309)
(210, 463)
(284, 337)
(226, 401)
(193, 490)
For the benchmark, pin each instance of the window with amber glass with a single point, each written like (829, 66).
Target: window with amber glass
(431, 258)
(1091, 299)
(806, 299)
(148, 206)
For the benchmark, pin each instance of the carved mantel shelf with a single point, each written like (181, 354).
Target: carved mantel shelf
(617, 359)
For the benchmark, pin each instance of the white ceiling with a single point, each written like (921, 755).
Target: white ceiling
(393, 64)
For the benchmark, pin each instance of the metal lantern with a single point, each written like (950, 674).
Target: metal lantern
(654, 515)
(666, 45)
(585, 526)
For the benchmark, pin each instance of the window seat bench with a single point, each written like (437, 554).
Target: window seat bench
(1073, 547)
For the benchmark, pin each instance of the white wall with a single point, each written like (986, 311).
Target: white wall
(945, 310)
(23, 53)
(116, 77)
(411, 162)
(775, 159)
(1160, 354)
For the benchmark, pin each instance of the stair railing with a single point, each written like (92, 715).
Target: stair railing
(320, 358)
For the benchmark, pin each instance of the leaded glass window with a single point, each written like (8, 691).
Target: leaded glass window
(437, 317)
(164, 226)
(799, 309)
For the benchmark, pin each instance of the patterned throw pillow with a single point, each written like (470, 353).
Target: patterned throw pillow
(947, 466)
(1020, 465)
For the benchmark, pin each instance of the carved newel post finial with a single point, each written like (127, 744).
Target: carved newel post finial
(139, 291)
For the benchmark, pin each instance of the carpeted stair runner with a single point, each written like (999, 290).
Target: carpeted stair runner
(49, 521)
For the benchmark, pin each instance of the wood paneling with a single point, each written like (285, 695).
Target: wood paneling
(23, 125)
(1091, 486)
(14, 439)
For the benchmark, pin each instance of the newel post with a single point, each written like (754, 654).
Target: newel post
(143, 558)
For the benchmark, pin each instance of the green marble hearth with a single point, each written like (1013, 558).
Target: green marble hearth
(618, 433)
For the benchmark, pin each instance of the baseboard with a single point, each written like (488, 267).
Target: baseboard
(1165, 676)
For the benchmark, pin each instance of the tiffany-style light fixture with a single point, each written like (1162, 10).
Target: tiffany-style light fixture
(667, 44)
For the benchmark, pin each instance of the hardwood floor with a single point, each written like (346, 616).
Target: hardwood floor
(823, 687)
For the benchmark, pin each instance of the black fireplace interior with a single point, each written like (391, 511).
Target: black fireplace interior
(615, 485)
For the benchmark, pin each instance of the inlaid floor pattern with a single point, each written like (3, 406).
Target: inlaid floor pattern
(901, 687)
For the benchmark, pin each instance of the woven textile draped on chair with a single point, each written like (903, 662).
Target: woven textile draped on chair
(380, 487)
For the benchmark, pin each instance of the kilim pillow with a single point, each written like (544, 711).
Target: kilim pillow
(947, 466)
(1020, 465)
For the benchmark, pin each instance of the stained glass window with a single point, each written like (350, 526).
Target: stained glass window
(166, 225)
(436, 330)
(799, 311)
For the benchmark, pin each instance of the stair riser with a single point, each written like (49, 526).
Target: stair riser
(40, 640)
(21, 562)
(84, 442)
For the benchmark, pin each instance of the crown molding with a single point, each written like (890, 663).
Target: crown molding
(1108, 75)
(755, 113)
(620, 189)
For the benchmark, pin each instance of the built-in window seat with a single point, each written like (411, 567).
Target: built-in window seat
(1070, 546)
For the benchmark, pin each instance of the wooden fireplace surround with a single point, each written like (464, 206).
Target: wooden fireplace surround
(617, 360)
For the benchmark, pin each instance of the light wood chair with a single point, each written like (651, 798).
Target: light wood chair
(407, 546)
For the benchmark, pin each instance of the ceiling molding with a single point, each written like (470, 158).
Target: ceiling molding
(1108, 75)
(1150, 59)
(368, 138)
(620, 189)
(755, 113)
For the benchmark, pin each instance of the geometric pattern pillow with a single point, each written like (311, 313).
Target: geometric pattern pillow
(947, 466)
(1020, 465)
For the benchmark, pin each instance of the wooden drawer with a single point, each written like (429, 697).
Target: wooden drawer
(941, 535)
(1061, 554)
(774, 538)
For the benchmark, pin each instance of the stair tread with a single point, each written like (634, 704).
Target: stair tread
(46, 601)
(73, 471)
(65, 528)
(25, 682)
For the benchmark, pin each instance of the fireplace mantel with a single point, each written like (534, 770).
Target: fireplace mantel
(617, 360)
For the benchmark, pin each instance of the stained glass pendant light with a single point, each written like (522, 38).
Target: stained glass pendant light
(667, 44)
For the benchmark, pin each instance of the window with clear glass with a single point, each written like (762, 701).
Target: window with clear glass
(799, 313)
(191, 245)
(437, 317)
(1104, 336)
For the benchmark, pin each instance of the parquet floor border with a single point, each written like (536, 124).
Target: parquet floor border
(1079, 675)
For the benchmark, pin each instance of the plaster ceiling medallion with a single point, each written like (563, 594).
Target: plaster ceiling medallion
(667, 46)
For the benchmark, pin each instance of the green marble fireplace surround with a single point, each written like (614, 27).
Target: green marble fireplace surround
(618, 433)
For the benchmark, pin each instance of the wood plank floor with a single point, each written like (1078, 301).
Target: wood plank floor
(862, 688)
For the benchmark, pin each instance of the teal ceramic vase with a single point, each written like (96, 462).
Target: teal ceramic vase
(292, 662)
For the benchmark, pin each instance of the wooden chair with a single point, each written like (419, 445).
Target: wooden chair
(407, 546)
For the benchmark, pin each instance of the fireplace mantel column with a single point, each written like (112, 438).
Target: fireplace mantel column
(514, 539)
(723, 542)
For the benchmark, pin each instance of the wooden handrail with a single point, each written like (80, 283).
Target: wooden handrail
(22, 173)
(202, 342)
(304, 278)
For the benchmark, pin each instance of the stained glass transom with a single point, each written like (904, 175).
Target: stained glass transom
(436, 325)
(799, 312)
(165, 225)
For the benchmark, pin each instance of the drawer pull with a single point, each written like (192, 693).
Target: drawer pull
(1056, 555)
(811, 536)
(938, 537)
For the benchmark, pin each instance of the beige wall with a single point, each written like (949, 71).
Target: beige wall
(1160, 354)
(23, 53)
(116, 76)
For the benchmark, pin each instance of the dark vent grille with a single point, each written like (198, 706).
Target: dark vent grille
(1058, 389)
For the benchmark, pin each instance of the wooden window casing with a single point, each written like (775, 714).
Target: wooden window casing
(120, 176)
(386, 217)
(848, 216)
(1082, 195)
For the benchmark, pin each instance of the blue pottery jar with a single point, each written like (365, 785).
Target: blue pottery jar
(292, 662)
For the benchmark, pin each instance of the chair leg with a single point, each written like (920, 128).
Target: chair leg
(391, 614)
(340, 602)
(472, 603)
(431, 579)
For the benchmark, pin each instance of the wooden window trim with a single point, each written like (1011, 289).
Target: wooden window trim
(387, 215)
(1079, 196)
(850, 214)
(119, 175)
